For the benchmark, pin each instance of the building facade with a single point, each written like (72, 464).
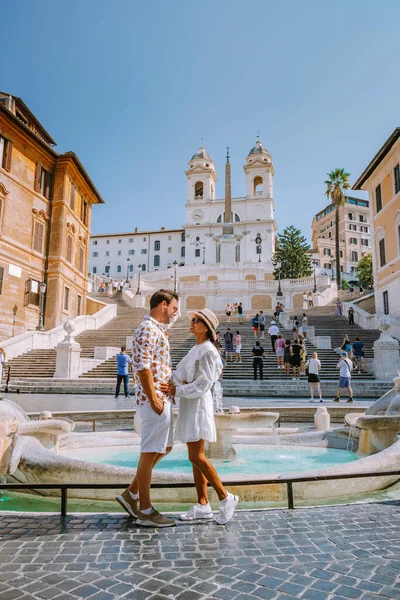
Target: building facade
(354, 235)
(203, 239)
(45, 212)
(381, 179)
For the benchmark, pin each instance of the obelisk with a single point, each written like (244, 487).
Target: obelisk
(228, 191)
(228, 240)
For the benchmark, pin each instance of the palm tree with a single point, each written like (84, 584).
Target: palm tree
(336, 186)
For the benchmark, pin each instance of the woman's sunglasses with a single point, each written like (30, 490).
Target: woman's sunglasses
(197, 320)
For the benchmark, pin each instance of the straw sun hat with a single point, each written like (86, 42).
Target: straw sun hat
(208, 317)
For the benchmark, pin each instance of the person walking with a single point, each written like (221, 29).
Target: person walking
(238, 344)
(346, 346)
(193, 380)
(256, 323)
(262, 324)
(314, 367)
(3, 358)
(258, 354)
(273, 333)
(295, 350)
(303, 355)
(123, 363)
(305, 301)
(152, 367)
(240, 313)
(228, 339)
(286, 357)
(280, 351)
(358, 353)
(228, 311)
(346, 366)
(295, 328)
(304, 326)
(310, 300)
(350, 315)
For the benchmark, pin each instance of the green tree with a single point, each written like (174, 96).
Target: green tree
(364, 269)
(336, 186)
(291, 253)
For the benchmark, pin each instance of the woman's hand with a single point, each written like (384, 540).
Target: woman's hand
(168, 388)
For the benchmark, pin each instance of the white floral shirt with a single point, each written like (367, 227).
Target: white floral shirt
(151, 351)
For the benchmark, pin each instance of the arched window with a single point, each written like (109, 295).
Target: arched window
(258, 185)
(198, 189)
(118, 268)
(131, 268)
(94, 270)
(236, 218)
(157, 260)
(157, 246)
(107, 269)
(143, 267)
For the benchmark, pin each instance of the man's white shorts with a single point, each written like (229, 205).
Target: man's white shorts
(156, 431)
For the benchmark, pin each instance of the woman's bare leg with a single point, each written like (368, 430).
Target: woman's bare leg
(207, 471)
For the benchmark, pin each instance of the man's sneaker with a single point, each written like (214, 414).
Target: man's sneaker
(335, 399)
(226, 509)
(154, 519)
(128, 503)
(198, 511)
(350, 400)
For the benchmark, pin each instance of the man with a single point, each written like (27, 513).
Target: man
(273, 332)
(228, 339)
(240, 312)
(258, 353)
(262, 324)
(123, 362)
(152, 367)
(358, 353)
(346, 366)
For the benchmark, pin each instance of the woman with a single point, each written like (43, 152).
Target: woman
(286, 357)
(303, 355)
(2, 362)
(228, 312)
(310, 300)
(347, 347)
(280, 351)
(238, 344)
(305, 301)
(194, 378)
(314, 366)
(295, 350)
(256, 323)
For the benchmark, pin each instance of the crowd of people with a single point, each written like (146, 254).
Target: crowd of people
(111, 286)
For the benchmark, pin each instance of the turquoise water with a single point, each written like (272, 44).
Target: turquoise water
(255, 460)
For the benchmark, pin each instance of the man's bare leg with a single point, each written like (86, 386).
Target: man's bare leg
(141, 483)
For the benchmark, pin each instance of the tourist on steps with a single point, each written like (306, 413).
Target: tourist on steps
(314, 367)
(193, 381)
(152, 368)
(258, 354)
(238, 344)
(123, 362)
(346, 366)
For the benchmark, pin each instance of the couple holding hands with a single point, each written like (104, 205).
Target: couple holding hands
(156, 388)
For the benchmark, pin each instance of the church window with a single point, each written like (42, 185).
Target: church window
(156, 260)
(170, 249)
(118, 268)
(197, 239)
(258, 185)
(143, 267)
(183, 237)
(157, 246)
(237, 218)
(219, 219)
(198, 189)
(197, 252)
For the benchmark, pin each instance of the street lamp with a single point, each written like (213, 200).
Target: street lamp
(128, 260)
(333, 262)
(14, 310)
(279, 266)
(42, 291)
(204, 255)
(315, 263)
(175, 263)
(138, 283)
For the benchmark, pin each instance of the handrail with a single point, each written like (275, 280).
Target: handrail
(288, 481)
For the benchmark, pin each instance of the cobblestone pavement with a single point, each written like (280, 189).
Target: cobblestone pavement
(313, 554)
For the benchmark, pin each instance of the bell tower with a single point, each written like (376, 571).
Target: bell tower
(201, 177)
(259, 172)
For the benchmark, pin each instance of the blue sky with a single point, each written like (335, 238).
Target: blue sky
(132, 87)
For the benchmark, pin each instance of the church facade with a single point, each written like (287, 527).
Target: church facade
(228, 231)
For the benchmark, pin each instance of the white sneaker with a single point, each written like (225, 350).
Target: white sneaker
(226, 509)
(294, 379)
(198, 511)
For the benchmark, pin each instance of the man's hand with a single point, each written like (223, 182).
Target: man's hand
(157, 405)
(168, 388)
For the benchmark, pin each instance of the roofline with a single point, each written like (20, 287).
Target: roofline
(331, 204)
(103, 235)
(26, 129)
(378, 158)
(32, 116)
(83, 171)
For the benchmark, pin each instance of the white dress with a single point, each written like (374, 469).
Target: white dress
(194, 378)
